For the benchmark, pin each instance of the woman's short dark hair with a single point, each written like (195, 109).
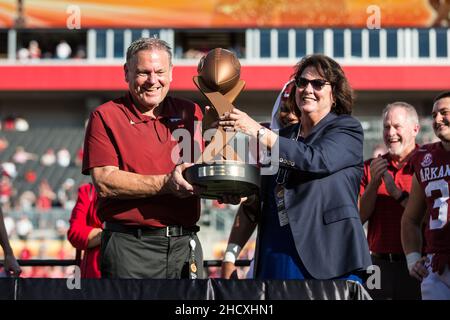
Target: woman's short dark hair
(331, 71)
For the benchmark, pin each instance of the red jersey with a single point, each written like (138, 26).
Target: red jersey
(383, 234)
(432, 170)
(119, 135)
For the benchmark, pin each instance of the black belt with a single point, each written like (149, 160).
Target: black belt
(169, 231)
(391, 257)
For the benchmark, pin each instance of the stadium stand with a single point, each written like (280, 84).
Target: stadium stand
(37, 141)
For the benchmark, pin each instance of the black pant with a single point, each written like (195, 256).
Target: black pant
(125, 255)
(396, 283)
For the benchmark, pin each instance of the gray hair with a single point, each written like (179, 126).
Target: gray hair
(410, 111)
(148, 44)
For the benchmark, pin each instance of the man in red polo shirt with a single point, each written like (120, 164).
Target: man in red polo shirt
(384, 193)
(149, 210)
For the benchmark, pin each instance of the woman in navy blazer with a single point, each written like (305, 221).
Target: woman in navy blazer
(309, 226)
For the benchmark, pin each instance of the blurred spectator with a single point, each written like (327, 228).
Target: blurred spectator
(27, 201)
(61, 231)
(43, 248)
(9, 124)
(45, 197)
(30, 176)
(10, 225)
(63, 157)
(33, 50)
(25, 253)
(85, 231)
(21, 124)
(63, 50)
(79, 157)
(22, 156)
(3, 144)
(80, 53)
(6, 191)
(67, 194)
(24, 228)
(48, 158)
(62, 253)
(41, 272)
(9, 168)
(194, 54)
(23, 55)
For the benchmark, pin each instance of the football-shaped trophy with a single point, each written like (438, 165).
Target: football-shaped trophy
(221, 169)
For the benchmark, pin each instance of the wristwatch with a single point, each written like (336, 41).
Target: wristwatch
(261, 132)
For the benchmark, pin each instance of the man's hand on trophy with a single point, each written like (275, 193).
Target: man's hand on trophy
(238, 120)
(177, 184)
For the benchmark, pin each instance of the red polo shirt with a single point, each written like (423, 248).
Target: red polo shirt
(383, 232)
(119, 135)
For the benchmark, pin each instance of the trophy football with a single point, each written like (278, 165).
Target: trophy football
(221, 170)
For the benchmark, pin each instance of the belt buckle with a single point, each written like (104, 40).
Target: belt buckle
(168, 235)
(394, 257)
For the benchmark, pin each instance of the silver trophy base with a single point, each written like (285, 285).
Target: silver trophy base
(224, 177)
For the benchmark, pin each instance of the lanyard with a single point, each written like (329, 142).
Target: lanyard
(192, 263)
(283, 172)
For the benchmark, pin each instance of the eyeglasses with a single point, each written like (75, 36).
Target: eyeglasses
(317, 84)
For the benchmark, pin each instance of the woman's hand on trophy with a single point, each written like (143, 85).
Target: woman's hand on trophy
(238, 120)
(210, 118)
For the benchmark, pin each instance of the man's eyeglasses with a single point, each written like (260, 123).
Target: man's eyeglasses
(317, 84)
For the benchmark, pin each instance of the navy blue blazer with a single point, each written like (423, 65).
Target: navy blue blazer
(322, 186)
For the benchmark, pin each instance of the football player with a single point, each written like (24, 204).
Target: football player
(429, 199)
